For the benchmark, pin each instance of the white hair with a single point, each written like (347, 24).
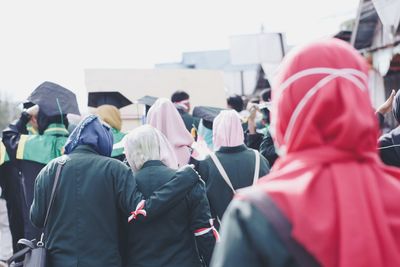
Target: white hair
(141, 145)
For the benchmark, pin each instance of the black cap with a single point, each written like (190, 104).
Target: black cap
(147, 100)
(206, 113)
(113, 98)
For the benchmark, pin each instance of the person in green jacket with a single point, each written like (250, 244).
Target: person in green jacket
(82, 228)
(112, 116)
(32, 141)
(232, 165)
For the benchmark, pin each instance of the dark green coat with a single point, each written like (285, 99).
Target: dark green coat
(239, 164)
(83, 224)
(255, 233)
(189, 120)
(248, 239)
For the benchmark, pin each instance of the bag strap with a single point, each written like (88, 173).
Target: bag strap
(53, 192)
(257, 167)
(60, 164)
(222, 171)
(17, 255)
(282, 227)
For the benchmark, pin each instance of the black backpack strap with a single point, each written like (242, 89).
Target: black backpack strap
(282, 226)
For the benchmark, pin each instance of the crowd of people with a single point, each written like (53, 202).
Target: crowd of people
(297, 177)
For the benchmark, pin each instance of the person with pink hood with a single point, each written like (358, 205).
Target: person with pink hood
(232, 166)
(163, 116)
(329, 200)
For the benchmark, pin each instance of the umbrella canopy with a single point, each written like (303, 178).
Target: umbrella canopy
(53, 99)
(206, 113)
(113, 98)
(147, 100)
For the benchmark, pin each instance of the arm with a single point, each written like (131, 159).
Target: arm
(385, 108)
(11, 135)
(200, 222)
(131, 199)
(267, 149)
(39, 204)
(13, 132)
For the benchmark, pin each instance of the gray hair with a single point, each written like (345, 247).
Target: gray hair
(141, 145)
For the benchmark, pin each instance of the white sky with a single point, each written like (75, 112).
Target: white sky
(56, 40)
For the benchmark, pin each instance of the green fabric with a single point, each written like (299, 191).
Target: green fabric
(118, 136)
(43, 148)
(3, 154)
(30, 129)
(190, 121)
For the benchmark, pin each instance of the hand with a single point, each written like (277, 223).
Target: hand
(190, 166)
(387, 106)
(253, 109)
(33, 111)
(251, 121)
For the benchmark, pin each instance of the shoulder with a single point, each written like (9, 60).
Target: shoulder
(387, 139)
(205, 162)
(50, 169)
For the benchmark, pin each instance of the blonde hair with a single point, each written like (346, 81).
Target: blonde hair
(111, 115)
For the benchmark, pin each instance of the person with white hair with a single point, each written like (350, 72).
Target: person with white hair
(182, 236)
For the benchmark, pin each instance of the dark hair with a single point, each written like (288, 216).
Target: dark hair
(265, 94)
(254, 100)
(236, 102)
(44, 121)
(179, 96)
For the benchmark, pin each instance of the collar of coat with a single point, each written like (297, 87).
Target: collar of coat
(232, 149)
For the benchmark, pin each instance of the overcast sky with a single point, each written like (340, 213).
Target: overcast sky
(56, 40)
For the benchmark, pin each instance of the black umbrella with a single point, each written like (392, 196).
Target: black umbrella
(113, 98)
(53, 99)
(206, 113)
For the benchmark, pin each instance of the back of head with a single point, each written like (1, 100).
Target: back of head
(227, 130)
(235, 102)
(44, 121)
(181, 100)
(111, 115)
(91, 132)
(320, 98)
(147, 143)
(141, 145)
(179, 96)
(164, 116)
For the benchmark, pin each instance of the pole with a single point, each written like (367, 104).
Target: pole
(242, 82)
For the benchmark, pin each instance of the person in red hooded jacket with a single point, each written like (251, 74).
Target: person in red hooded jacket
(329, 200)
